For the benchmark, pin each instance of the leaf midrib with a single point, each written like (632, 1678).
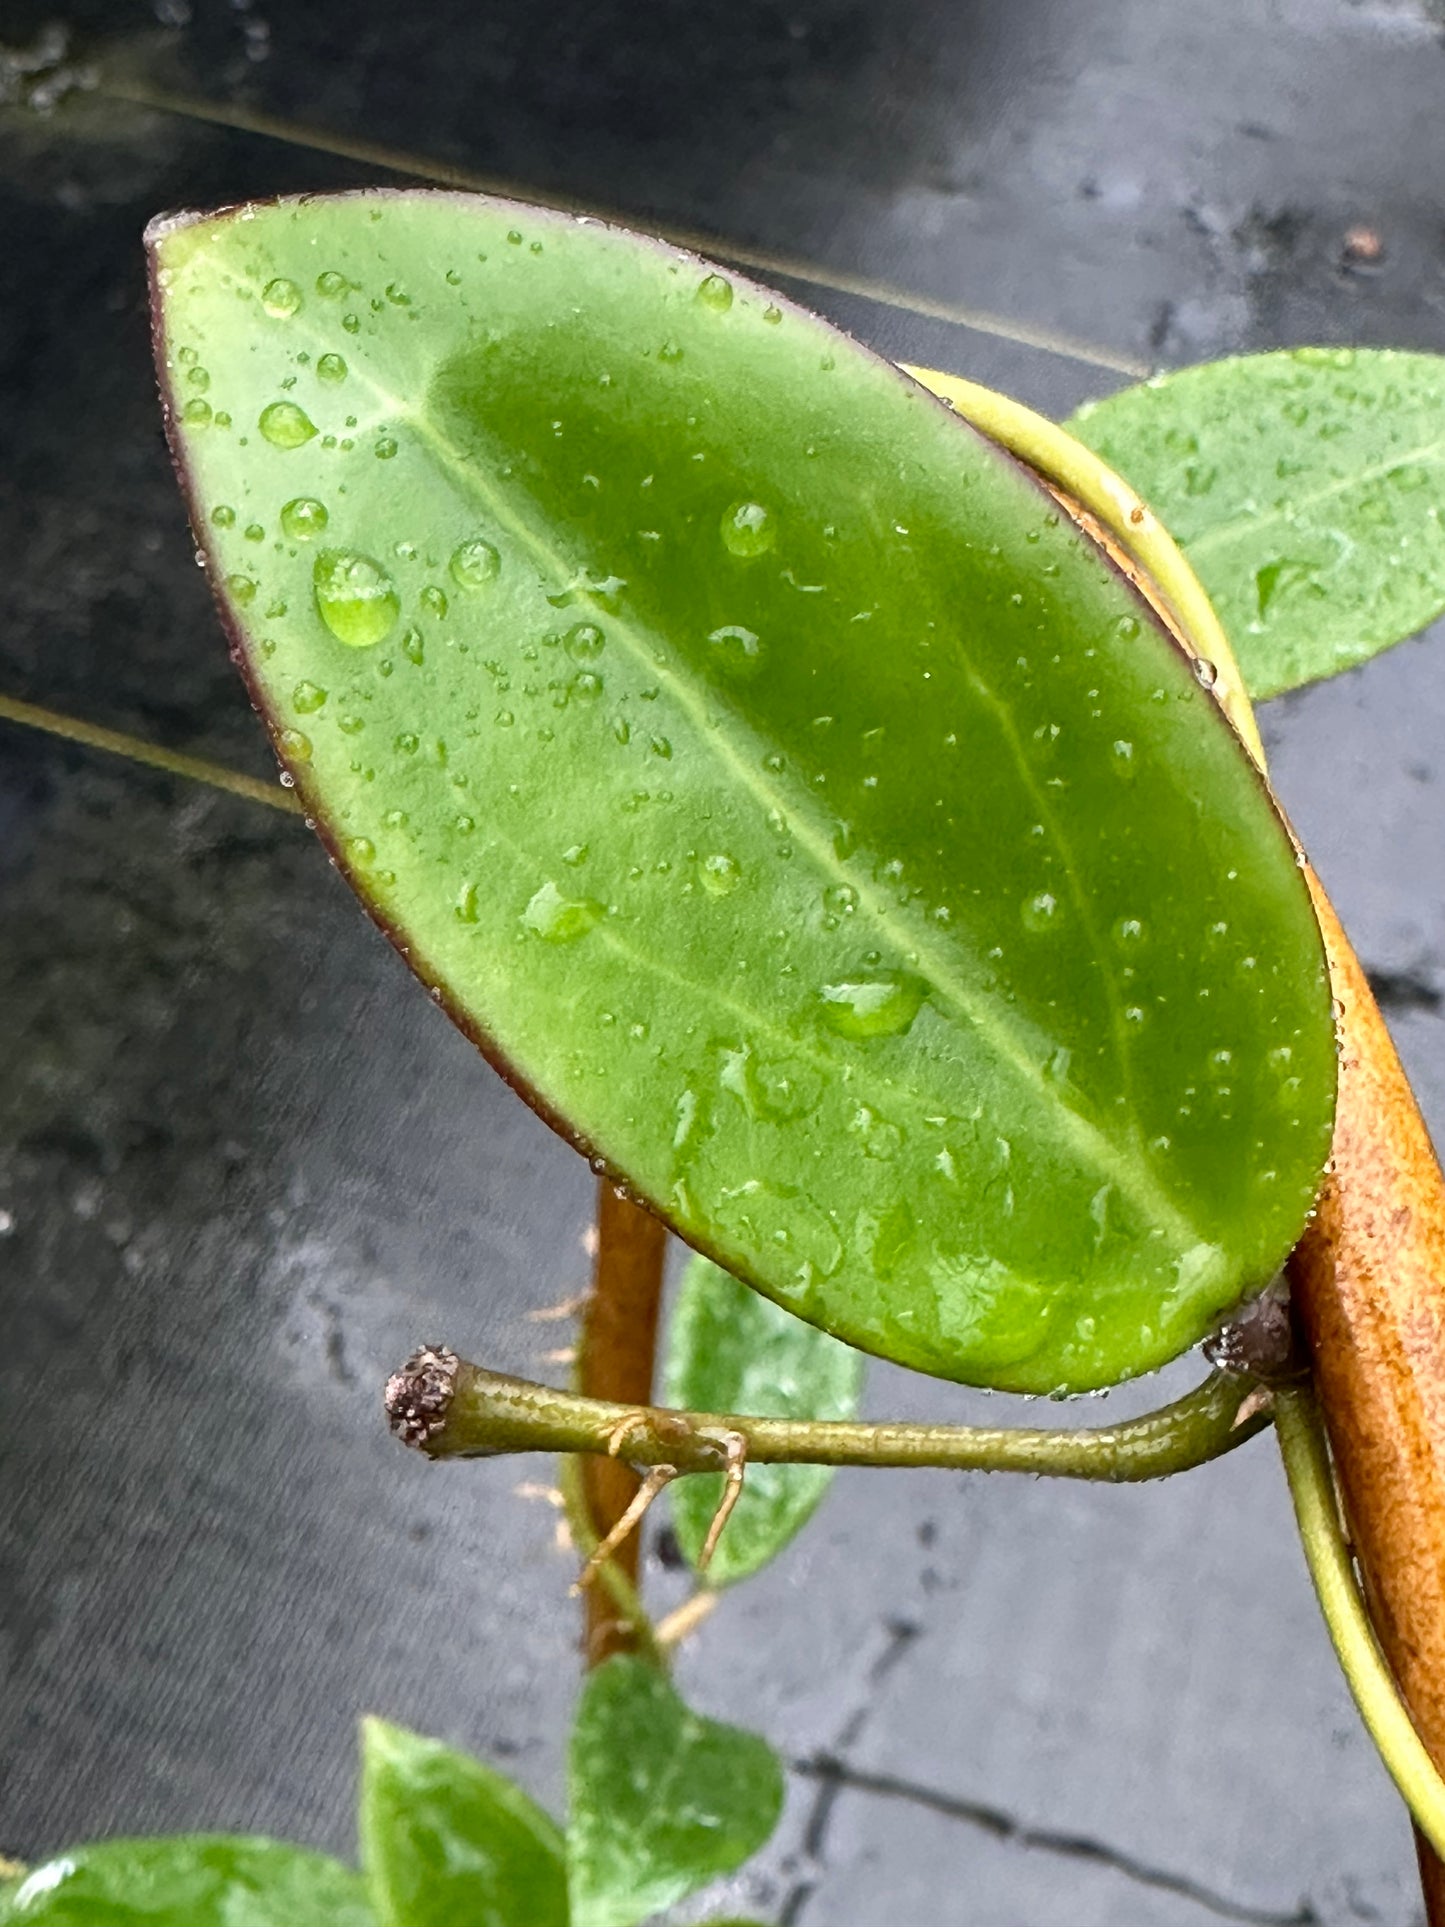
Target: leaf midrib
(1237, 529)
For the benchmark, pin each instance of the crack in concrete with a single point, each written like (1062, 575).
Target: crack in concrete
(833, 1775)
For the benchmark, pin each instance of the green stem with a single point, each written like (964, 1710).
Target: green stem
(1311, 1484)
(485, 1413)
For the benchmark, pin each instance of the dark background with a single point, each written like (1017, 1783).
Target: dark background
(244, 1165)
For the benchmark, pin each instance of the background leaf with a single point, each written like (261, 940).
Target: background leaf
(661, 1800)
(448, 1842)
(759, 766)
(1305, 487)
(188, 1880)
(729, 1350)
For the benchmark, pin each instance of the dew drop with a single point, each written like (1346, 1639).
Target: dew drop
(1041, 912)
(840, 900)
(739, 650)
(307, 698)
(242, 590)
(331, 285)
(281, 298)
(556, 918)
(669, 351)
(222, 516)
(1129, 932)
(1205, 673)
(355, 597)
(199, 379)
(331, 368)
(197, 411)
(295, 747)
(772, 315)
(720, 874)
(468, 907)
(474, 564)
(1127, 628)
(304, 518)
(360, 852)
(584, 642)
(385, 448)
(412, 645)
(284, 425)
(715, 291)
(882, 1006)
(351, 323)
(435, 600)
(748, 530)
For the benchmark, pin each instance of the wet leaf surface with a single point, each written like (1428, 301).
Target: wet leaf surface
(445, 1839)
(1305, 488)
(662, 1801)
(188, 1880)
(757, 765)
(730, 1350)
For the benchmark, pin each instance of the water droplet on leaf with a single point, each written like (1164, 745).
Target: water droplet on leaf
(474, 564)
(281, 298)
(556, 918)
(874, 1007)
(284, 425)
(715, 291)
(304, 518)
(748, 530)
(355, 597)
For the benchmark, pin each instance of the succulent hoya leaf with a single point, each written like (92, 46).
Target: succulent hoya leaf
(1304, 486)
(661, 1800)
(730, 1350)
(187, 1880)
(445, 1838)
(763, 770)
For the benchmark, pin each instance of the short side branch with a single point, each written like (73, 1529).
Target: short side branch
(489, 1413)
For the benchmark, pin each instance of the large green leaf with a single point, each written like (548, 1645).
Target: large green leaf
(754, 762)
(447, 1842)
(1305, 488)
(728, 1350)
(188, 1880)
(661, 1800)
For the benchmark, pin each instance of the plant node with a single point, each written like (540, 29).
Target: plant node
(418, 1397)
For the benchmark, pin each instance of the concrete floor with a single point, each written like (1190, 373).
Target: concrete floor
(244, 1164)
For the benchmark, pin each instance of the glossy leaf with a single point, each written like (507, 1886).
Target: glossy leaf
(754, 762)
(446, 1840)
(661, 1800)
(188, 1880)
(1304, 486)
(729, 1350)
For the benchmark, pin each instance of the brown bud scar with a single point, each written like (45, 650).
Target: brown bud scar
(417, 1397)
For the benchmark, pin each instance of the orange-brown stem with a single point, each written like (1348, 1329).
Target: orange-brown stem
(1369, 1281)
(615, 1361)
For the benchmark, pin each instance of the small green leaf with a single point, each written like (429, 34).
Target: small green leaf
(188, 1880)
(662, 1800)
(766, 773)
(728, 1350)
(1304, 487)
(448, 1842)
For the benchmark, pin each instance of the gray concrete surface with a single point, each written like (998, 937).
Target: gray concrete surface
(244, 1164)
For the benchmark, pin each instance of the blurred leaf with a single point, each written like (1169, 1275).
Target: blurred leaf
(447, 1842)
(661, 1800)
(188, 1880)
(1304, 487)
(755, 763)
(728, 1350)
